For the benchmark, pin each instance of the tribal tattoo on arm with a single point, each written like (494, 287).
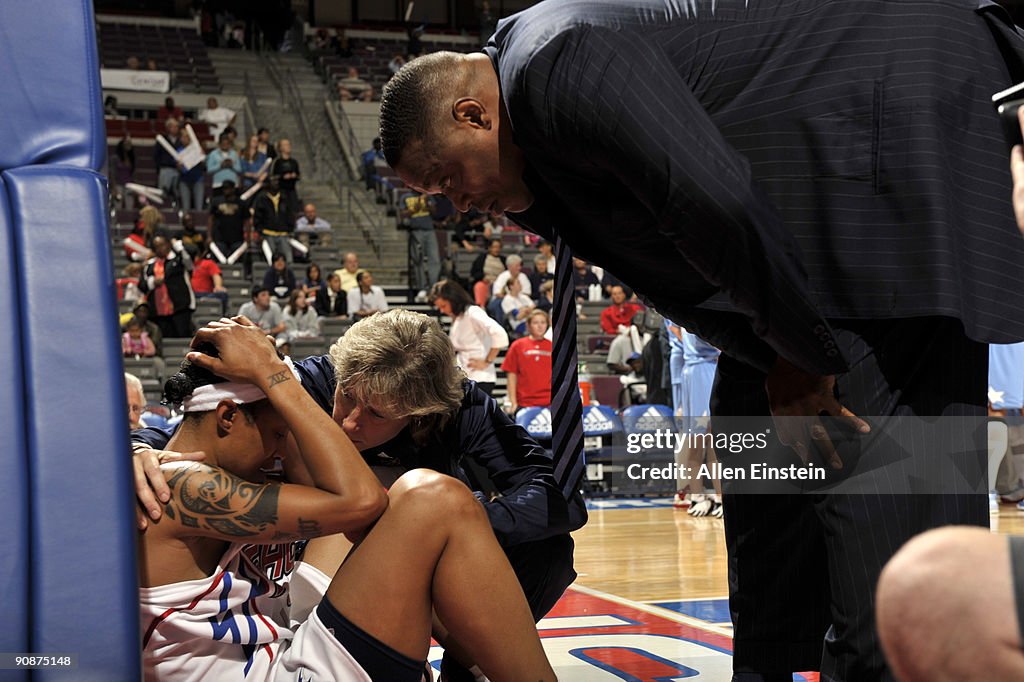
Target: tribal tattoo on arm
(211, 499)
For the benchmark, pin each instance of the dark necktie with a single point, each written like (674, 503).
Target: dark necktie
(566, 406)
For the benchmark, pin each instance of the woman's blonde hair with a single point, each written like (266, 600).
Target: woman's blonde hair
(404, 364)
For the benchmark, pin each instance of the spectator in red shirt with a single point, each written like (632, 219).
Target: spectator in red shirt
(528, 365)
(170, 110)
(208, 282)
(620, 312)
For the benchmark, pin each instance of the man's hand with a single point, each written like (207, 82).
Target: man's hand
(795, 393)
(247, 354)
(150, 485)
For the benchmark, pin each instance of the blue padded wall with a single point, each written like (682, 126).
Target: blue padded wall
(50, 89)
(84, 584)
(14, 552)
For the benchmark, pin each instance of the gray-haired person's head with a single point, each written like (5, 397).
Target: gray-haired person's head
(404, 363)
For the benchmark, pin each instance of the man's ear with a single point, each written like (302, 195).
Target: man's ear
(472, 111)
(227, 413)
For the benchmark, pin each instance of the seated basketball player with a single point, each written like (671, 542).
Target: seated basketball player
(400, 394)
(213, 607)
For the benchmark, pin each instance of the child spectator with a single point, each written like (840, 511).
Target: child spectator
(300, 320)
(312, 283)
(135, 342)
(331, 300)
(528, 365)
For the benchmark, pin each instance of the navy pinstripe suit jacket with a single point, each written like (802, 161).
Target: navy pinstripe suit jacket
(756, 168)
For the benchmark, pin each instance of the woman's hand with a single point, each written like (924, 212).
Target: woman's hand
(151, 488)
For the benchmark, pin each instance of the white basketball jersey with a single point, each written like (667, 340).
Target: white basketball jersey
(234, 625)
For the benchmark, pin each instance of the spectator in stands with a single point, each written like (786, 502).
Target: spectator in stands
(265, 147)
(310, 225)
(217, 117)
(527, 365)
(620, 313)
(194, 241)
(141, 313)
(264, 312)
(300, 319)
(353, 87)
(207, 280)
(414, 46)
(279, 280)
(341, 47)
(485, 270)
(135, 342)
(232, 137)
(170, 110)
(128, 283)
(136, 401)
(331, 300)
(287, 171)
(252, 163)
(319, 41)
(470, 227)
(547, 296)
(513, 271)
(151, 65)
(133, 63)
(223, 164)
(477, 338)
(397, 62)
(139, 242)
(271, 220)
(312, 283)
(167, 282)
(620, 355)
(540, 274)
(516, 306)
(366, 298)
(349, 272)
(110, 107)
(124, 170)
(373, 164)
(582, 278)
(228, 214)
(192, 181)
(425, 258)
(166, 164)
(548, 251)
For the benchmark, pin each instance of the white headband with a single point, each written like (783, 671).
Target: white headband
(206, 398)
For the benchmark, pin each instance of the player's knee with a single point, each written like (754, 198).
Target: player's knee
(434, 495)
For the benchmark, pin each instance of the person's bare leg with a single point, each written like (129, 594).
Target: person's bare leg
(434, 548)
(947, 609)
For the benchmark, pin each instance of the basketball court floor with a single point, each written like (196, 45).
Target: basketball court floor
(650, 603)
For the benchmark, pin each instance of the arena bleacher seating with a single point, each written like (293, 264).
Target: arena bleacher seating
(176, 49)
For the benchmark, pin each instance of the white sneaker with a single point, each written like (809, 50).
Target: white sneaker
(421, 297)
(717, 510)
(702, 508)
(993, 504)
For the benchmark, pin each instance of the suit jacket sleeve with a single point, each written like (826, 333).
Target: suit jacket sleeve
(531, 506)
(621, 106)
